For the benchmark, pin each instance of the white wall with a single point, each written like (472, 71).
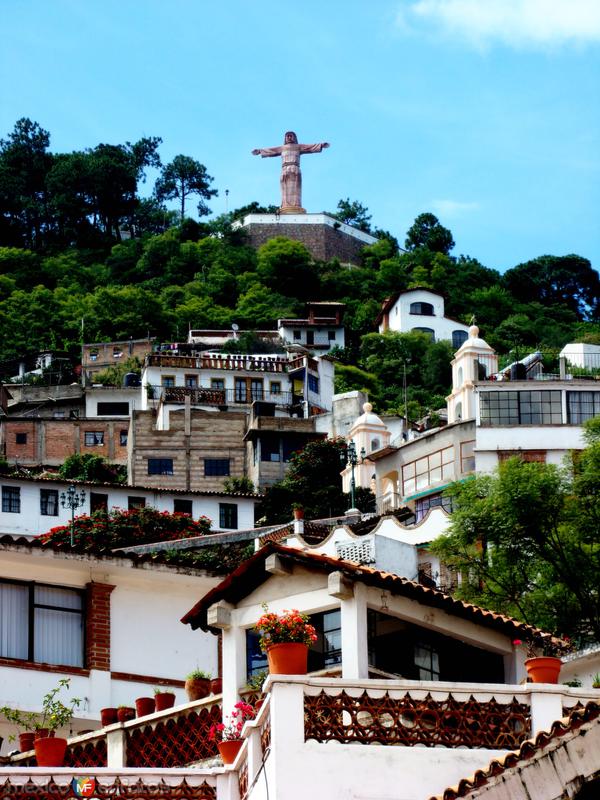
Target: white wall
(30, 521)
(400, 318)
(94, 396)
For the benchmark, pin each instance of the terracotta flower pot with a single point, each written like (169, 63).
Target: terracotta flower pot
(144, 706)
(197, 688)
(43, 733)
(229, 749)
(50, 752)
(125, 713)
(259, 703)
(164, 700)
(26, 741)
(543, 669)
(108, 716)
(216, 685)
(287, 658)
(298, 513)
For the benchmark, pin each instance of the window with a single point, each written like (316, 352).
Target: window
(310, 337)
(58, 415)
(135, 502)
(327, 650)
(123, 435)
(433, 468)
(269, 449)
(580, 406)
(241, 390)
(424, 309)
(467, 456)
(424, 504)
(98, 502)
(191, 381)
(228, 515)
(217, 383)
(313, 384)
(520, 408)
(182, 506)
(297, 336)
(256, 389)
(427, 662)
(11, 499)
(428, 331)
(107, 409)
(375, 445)
(93, 438)
(117, 352)
(216, 467)
(41, 623)
(289, 447)
(93, 355)
(331, 336)
(160, 466)
(20, 438)
(256, 660)
(458, 338)
(275, 387)
(49, 502)
(167, 381)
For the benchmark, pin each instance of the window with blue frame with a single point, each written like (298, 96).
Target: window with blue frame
(313, 384)
(160, 466)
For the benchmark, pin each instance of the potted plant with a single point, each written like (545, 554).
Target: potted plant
(50, 750)
(163, 699)
(144, 706)
(22, 719)
(285, 639)
(197, 684)
(228, 733)
(108, 716)
(596, 681)
(298, 510)
(254, 686)
(216, 685)
(125, 713)
(545, 668)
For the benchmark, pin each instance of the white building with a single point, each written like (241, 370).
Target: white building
(320, 331)
(31, 505)
(420, 310)
(106, 621)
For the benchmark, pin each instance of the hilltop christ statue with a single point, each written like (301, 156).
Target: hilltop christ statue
(291, 177)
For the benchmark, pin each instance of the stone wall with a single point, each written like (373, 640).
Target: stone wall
(323, 241)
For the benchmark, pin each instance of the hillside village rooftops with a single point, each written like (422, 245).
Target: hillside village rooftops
(252, 573)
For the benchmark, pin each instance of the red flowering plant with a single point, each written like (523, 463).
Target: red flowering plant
(291, 626)
(231, 728)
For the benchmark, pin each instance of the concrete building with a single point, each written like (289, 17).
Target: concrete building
(320, 331)
(97, 357)
(420, 310)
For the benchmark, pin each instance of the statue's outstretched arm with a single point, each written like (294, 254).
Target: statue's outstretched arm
(313, 148)
(267, 152)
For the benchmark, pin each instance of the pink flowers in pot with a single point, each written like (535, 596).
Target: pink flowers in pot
(291, 626)
(230, 729)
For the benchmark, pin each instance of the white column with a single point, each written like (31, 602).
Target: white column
(116, 748)
(355, 654)
(234, 664)
(546, 708)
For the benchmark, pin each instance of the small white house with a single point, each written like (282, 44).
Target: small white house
(31, 506)
(421, 310)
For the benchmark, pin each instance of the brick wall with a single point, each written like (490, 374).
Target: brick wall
(51, 441)
(211, 435)
(97, 626)
(323, 241)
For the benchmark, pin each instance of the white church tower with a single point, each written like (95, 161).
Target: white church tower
(369, 433)
(475, 360)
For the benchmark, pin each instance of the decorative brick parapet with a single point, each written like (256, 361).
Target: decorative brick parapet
(97, 626)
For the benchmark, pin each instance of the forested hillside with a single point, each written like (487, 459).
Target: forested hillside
(79, 243)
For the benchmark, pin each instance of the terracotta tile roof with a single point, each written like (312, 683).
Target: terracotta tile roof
(527, 750)
(365, 526)
(313, 533)
(251, 574)
(172, 560)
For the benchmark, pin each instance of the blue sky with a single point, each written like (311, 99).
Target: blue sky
(485, 112)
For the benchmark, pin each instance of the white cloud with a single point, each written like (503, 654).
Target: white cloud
(452, 208)
(518, 23)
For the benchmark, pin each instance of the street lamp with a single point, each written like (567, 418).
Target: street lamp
(349, 458)
(72, 499)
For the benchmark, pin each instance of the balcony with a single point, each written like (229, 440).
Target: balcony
(217, 397)
(248, 363)
(331, 733)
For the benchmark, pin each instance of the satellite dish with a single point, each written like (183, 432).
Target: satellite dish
(235, 326)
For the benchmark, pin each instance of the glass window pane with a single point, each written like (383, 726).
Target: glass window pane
(57, 596)
(58, 637)
(14, 616)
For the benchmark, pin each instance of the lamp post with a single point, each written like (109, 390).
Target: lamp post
(72, 499)
(351, 459)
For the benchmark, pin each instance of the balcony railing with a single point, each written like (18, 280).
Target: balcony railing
(218, 397)
(249, 363)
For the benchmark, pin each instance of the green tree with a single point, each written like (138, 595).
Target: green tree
(427, 232)
(287, 267)
(88, 467)
(527, 541)
(354, 213)
(182, 177)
